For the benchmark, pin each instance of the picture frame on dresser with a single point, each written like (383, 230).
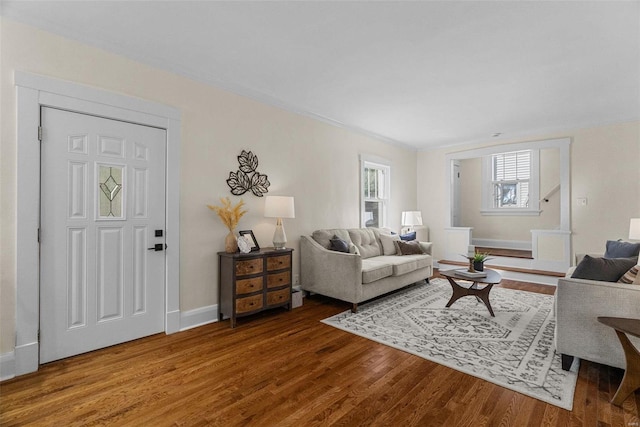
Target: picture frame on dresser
(254, 247)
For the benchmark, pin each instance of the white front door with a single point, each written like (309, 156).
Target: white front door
(102, 208)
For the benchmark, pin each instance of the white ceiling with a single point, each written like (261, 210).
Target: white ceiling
(423, 74)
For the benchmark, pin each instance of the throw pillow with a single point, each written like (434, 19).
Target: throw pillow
(388, 247)
(631, 276)
(337, 244)
(620, 249)
(408, 236)
(603, 269)
(408, 248)
(353, 249)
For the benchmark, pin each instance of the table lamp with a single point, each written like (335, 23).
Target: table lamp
(411, 219)
(634, 229)
(279, 207)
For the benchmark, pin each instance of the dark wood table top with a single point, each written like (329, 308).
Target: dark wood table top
(492, 278)
(629, 326)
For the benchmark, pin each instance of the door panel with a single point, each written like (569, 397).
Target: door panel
(103, 197)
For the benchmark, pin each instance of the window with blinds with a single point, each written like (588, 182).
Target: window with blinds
(511, 174)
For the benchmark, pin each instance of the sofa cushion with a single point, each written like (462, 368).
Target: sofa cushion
(631, 277)
(404, 264)
(408, 248)
(337, 244)
(366, 242)
(603, 269)
(408, 236)
(373, 270)
(353, 249)
(620, 249)
(323, 237)
(422, 261)
(388, 246)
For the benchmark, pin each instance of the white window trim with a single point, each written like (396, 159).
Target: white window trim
(534, 189)
(377, 162)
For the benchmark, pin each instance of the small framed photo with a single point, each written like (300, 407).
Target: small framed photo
(254, 247)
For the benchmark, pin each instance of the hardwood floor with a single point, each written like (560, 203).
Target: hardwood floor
(283, 368)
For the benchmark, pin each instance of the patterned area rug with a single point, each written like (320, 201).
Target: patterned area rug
(513, 349)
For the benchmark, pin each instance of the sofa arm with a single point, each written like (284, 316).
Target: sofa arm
(427, 247)
(330, 273)
(578, 304)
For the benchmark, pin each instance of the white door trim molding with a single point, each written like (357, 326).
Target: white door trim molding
(34, 91)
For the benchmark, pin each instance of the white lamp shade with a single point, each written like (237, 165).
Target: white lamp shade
(279, 207)
(634, 229)
(411, 218)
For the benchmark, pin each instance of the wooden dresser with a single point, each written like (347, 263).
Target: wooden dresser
(253, 282)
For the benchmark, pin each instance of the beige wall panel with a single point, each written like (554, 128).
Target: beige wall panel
(604, 169)
(314, 161)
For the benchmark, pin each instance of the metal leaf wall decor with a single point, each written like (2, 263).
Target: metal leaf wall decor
(247, 178)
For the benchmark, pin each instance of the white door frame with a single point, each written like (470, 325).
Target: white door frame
(34, 91)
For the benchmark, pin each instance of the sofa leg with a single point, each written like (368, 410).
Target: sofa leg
(427, 280)
(567, 360)
(354, 307)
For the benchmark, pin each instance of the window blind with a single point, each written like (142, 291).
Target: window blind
(512, 166)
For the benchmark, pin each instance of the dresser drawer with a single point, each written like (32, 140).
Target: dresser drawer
(278, 262)
(278, 297)
(247, 304)
(250, 266)
(278, 279)
(247, 286)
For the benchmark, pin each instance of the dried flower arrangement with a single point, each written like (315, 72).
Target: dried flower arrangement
(229, 215)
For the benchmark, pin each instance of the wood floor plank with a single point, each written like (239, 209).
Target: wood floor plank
(284, 368)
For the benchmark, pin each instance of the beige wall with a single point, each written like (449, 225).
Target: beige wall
(509, 227)
(311, 160)
(604, 169)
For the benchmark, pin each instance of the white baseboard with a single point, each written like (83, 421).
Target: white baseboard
(27, 358)
(522, 245)
(198, 317)
(7, 366)
(173, 322)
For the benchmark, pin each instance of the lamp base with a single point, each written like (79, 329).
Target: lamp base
(279, 237)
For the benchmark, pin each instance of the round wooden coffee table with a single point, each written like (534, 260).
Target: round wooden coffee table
(482, 294)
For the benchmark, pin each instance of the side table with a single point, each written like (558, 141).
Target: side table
(631, 380)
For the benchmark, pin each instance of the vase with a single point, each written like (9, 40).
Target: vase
(230, 243)
(478, 265)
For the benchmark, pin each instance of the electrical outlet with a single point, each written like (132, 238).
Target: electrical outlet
(581, 201)
(296, 279)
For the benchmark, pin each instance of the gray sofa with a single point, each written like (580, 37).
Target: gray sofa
(368, 271)
(578, 303)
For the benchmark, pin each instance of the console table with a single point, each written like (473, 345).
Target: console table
(631, 380)
(253, 282)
